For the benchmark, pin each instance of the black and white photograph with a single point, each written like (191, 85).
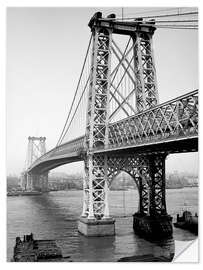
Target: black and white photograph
(102, 159)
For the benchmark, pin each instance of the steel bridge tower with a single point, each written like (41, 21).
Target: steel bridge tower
(34, 181)
(147, 170)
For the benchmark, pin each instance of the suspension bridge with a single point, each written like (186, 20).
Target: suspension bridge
(116, 123)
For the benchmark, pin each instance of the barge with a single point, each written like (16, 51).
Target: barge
(187, 222)
(30, 250)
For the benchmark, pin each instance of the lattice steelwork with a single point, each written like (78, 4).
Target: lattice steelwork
(107, 87)
(122, 113)
(133, 85)
(97, 118)
(171, 119)
(138, 168)
(73, 148)
(182, 123)
(148, 172)
(157, 185)
(145, 73)
(36, 148)
(97, 124)
(122, 102)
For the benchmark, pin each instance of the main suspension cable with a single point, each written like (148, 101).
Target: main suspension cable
(159, 16)
(90, 40)
(76, 109)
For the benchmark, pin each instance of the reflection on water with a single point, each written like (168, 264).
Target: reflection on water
(54, 216)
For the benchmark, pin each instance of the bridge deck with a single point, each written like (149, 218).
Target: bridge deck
(170, 127)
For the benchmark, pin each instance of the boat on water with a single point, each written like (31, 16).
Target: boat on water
(30, 250)
(187, 222)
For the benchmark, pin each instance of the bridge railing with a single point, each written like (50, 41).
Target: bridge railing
(173, 119)
(73, 146)
(76, 145)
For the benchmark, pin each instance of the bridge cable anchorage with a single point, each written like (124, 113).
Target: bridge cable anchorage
(76, 92)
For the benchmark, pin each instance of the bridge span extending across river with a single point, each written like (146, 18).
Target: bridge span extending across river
(125, 128)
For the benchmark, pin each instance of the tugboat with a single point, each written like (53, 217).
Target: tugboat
(187, 222)
(30, 250)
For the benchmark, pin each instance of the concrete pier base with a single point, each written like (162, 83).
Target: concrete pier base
(93, 227)
(153, 228)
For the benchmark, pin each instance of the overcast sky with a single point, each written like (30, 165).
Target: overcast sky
(45, 52)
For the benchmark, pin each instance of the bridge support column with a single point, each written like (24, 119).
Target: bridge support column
(152, 220)
(29, 182)
(23, 180)
(36, 182)
(95, 219)
(44, 182)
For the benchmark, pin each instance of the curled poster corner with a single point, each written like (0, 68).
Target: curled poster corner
(187, 251)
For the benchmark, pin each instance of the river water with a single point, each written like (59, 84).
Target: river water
(54, 216)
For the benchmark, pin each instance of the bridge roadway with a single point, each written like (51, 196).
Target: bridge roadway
(170, 127)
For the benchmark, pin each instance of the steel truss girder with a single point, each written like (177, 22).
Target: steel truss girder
(172, 119)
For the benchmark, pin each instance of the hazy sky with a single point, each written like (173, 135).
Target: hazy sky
(45, 52)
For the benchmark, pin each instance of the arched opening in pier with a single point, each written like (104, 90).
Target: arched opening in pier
(123, 195)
